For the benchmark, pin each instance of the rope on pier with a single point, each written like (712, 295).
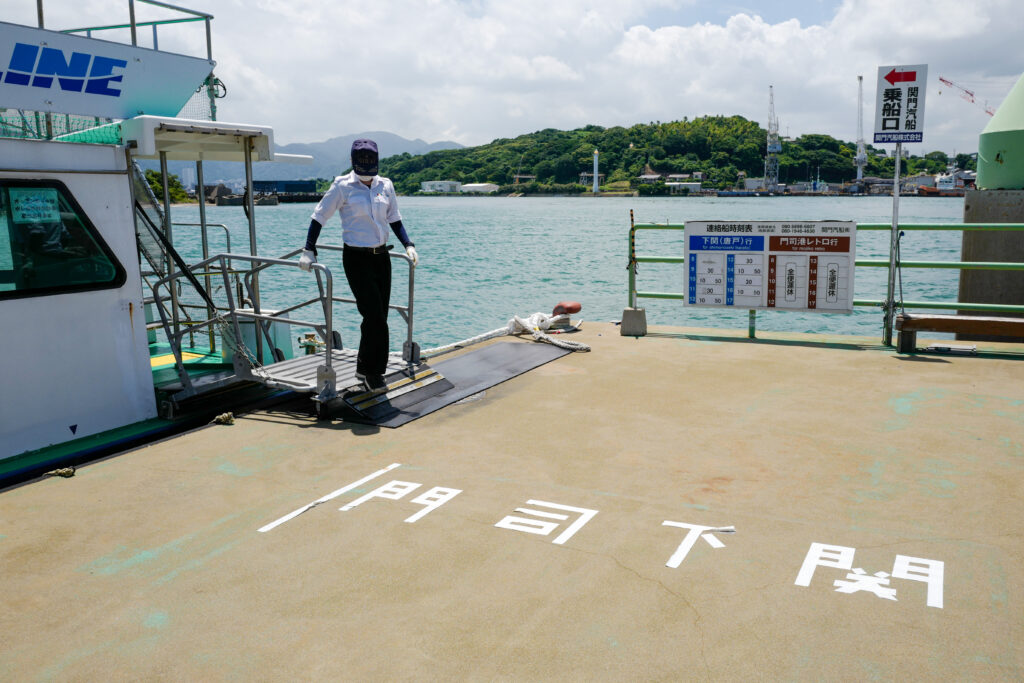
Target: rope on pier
(536, 325)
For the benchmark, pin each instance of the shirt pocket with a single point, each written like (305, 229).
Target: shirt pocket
(379, 203)
(360, 205)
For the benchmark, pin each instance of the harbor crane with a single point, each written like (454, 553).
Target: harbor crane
(967, 95)
(771, 160)
(861, 160)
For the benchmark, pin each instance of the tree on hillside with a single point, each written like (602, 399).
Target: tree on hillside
(174, 189)
(967, 162)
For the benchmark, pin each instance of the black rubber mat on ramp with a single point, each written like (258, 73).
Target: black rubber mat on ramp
(469, 373)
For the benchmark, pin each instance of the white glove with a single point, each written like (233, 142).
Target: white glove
(410, 251)
(307, 259)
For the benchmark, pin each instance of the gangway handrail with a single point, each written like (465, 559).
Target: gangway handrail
(227, 246)
(329, 388)
(635, 294)
(227, 231)
(410, 352)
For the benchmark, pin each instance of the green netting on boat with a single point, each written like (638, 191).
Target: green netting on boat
(109, 134)
(35, 125)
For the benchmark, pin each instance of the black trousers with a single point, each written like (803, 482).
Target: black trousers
(369, 278)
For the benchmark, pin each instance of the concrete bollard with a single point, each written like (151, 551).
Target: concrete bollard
(634, 322)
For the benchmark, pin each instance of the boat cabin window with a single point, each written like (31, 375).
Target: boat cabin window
(48, 245)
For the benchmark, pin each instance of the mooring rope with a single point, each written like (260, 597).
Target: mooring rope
(231, 340)
(535, 324)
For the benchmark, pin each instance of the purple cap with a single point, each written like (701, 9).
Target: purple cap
(364, 157)
(362, 143)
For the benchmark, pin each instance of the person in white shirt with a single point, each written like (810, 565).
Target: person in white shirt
(368, 207)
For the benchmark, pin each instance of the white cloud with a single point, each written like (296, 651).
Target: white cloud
(474, 70)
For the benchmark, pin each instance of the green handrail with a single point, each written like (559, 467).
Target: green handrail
(947, 305)
(996, 227)
(963, 265)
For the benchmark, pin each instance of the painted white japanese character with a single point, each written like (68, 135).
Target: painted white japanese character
(931, 572)
(862, 581)
(821, 555)
(696, 531)
(919, 569)
(542, 528)
(396, 490)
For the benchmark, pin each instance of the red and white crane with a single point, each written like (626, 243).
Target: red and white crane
(967, 95)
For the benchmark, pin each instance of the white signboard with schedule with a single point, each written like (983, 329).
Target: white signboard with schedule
(771, 265)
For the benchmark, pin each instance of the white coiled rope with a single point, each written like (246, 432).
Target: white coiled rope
(534, 324)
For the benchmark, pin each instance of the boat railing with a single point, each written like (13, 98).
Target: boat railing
(133, 25)
(888, 307)
(207, 276)
(183, 307)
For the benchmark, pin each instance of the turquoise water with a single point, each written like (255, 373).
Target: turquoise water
(483, 259)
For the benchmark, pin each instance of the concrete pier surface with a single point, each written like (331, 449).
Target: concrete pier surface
(690, 505)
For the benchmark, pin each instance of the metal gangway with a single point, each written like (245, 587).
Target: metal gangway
(326, 372)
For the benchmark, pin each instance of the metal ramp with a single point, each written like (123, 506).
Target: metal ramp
(405, 383)
(403, 389)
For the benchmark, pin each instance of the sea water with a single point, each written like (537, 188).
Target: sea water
(484, 259)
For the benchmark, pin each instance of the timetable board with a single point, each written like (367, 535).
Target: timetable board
(771, 265)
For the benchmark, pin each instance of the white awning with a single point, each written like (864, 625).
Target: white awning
(190, 140)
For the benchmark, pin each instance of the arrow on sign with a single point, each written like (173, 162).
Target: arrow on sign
(895, 76)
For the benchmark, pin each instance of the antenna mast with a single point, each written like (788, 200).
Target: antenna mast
(771, 161)
(861, 160)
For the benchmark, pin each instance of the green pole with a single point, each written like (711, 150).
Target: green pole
(632, 262)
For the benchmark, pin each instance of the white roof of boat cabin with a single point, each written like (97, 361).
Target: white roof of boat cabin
(190, 140)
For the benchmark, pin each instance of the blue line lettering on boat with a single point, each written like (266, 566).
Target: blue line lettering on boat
(37, 67)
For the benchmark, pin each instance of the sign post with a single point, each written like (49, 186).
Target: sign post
(899, 118)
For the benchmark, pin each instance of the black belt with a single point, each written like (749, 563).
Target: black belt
(382, 249)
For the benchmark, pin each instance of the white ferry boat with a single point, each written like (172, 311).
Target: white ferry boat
(111, 338)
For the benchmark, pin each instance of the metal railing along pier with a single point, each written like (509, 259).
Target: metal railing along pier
(887, 306)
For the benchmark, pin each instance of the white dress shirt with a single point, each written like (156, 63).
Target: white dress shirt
(366, 212)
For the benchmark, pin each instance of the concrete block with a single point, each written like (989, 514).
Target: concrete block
(992, 286)
(634, 322)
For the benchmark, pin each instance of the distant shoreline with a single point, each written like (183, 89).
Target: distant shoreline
(607, 195)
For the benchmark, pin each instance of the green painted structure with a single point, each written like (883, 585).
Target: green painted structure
(1001, 145)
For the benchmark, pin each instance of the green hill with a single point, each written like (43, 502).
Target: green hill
(719, 146)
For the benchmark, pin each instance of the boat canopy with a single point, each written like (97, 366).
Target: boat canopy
(189, 139)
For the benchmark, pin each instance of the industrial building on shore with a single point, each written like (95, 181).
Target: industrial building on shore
(455, 187)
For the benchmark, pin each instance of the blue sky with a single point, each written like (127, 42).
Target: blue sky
(475, 70)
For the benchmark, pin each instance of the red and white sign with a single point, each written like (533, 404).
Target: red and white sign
(899, 103)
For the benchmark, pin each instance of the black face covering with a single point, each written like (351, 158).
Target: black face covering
(364, 162)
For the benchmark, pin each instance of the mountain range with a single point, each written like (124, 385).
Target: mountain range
(330, 158)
